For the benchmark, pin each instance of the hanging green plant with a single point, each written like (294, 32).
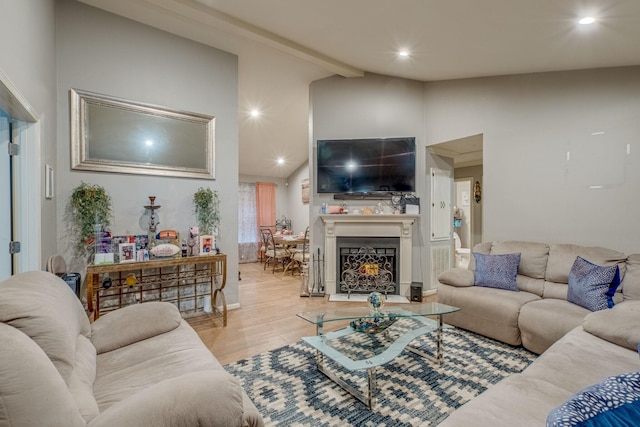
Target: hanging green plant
(90, 205)
(207, 210)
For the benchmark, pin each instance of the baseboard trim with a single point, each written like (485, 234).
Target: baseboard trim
(430, 292)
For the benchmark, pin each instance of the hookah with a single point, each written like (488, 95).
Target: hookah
(152, 222)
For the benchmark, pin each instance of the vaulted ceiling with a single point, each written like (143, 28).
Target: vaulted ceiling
(283, 45)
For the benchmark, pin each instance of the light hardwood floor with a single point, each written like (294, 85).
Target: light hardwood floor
(266, 318)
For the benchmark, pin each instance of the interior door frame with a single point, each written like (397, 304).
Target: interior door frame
(27, 176)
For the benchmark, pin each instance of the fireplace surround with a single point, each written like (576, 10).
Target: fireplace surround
(375, 226)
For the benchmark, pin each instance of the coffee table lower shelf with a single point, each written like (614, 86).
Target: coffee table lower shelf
(385, 347)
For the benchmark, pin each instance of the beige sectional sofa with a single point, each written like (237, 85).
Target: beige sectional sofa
(142, 365)
(578, 347)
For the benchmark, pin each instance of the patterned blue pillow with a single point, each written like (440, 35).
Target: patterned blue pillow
(497, 271)
(592, 286)
(613, 402)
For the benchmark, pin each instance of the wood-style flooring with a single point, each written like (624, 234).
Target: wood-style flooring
(266, 318)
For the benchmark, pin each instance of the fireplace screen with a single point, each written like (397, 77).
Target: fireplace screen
(365, 270)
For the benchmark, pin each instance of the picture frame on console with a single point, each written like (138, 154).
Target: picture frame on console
(127, 252)
(207, 245)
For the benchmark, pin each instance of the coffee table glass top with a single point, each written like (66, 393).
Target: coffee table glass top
(401, 310)
(361, 350)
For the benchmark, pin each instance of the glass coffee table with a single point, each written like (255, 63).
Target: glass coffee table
(356, 350)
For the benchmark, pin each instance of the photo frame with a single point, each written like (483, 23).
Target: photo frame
(110, 134)
(49, 187)
(127, 252)
(207, 245)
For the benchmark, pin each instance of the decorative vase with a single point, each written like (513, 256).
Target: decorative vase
(376, 302)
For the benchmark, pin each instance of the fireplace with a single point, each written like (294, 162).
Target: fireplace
(367, 264)
(398, 227)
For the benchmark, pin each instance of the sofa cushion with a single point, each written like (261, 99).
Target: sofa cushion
(497, 271)
(82, 378)
(134, 323)
(618, 325)
(545, 321)
(592, 286)
(533, 256)
(480, 248)
(612, 402)
(208, 398)
(45, 308)
(487, 311)
(631, 282)
(32, 392)
(132, 368)
(562, 257)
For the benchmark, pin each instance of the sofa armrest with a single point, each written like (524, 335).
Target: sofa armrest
(133, 323)
(205, 398)
(459, 277)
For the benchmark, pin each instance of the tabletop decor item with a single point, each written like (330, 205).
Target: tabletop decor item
(376, 301)
(153, 223)
(127, 252)
(89, 207)
(165, 250)
(207, 245)
(379, 322)
(207, 210)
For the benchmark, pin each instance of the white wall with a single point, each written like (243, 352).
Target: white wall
(529, 123)
(104, 53)
(28, 60)
(298, 211)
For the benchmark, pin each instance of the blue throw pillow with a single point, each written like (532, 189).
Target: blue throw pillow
(612, 402)
(497, 271)
(592, 286)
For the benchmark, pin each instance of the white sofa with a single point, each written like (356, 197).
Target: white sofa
(142, 365)
(579, 348)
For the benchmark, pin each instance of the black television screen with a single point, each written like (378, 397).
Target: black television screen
(366, 165)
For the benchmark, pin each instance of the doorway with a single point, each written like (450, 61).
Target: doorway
(465, 158)
(463, 220)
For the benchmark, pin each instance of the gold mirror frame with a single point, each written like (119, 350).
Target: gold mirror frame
(110, 134)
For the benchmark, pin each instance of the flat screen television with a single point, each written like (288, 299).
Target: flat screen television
(373, 165)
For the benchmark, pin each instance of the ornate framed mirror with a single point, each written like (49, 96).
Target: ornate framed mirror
(111, 134)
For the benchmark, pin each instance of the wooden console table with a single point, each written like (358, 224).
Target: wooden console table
(185, 282)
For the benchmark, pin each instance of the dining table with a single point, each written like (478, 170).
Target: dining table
(289, 241)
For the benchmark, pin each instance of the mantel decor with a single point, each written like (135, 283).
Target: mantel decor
(110, 134)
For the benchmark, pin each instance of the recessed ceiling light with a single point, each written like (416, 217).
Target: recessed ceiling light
(255, 113)
(281, 160)
(587, 20)
(403, 53)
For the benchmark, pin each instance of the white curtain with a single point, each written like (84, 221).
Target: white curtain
(247, 220)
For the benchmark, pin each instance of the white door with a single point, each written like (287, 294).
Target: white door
(5, 198)
(441, 211)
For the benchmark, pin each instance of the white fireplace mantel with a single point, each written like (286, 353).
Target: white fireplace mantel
(353, 225)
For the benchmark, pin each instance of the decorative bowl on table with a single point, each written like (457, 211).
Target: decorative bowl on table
(372, 325)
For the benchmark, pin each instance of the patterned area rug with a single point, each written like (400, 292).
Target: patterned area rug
(412, 391)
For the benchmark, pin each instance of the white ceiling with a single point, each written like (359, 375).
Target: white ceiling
(283, 45)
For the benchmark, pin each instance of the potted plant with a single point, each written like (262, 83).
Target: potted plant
(207, 210)
(90, 205)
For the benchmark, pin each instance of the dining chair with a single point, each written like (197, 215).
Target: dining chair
(272, 252)
(300, 255)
